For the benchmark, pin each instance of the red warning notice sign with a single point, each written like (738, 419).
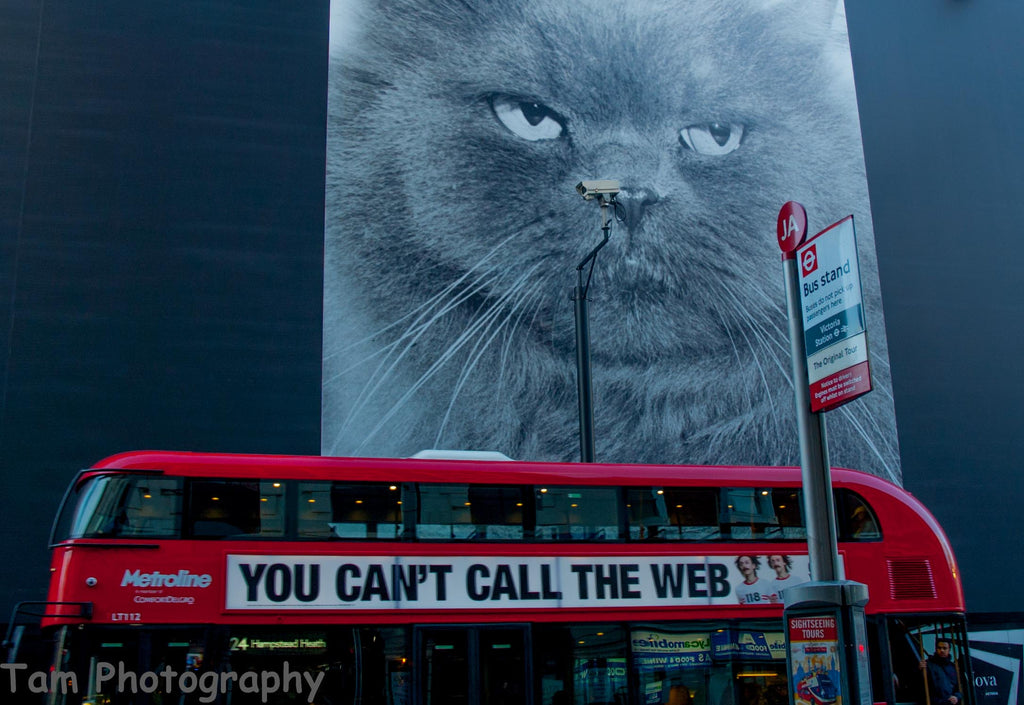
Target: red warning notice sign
(841, 387)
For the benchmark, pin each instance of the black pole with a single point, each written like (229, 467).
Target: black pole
(584, 386)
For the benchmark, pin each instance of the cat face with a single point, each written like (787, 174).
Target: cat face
(457, 137)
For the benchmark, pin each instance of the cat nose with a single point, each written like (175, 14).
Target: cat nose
(635, 202)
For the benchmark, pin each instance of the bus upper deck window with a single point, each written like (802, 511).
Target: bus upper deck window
(672, 513)
(114, 506)
(645, 511)
(856, 518)
(577, 513)
(235, 509)
(350, 510)
(747, 512)
(693, 514)
(787, 505)
(470, 512)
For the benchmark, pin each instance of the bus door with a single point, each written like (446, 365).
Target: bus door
(927, 659)
(473, 665)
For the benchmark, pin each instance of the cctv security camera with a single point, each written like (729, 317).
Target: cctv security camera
(602, 187)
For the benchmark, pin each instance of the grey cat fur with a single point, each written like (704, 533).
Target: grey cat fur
(451, 241)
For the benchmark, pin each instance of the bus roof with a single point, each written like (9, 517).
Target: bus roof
(427, 469)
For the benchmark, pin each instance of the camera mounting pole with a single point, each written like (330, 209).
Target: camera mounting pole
(605, 197)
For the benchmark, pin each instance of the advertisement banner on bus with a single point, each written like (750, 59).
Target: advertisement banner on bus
(257, 582)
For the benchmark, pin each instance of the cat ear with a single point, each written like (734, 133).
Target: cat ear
(813, 16)
(802, 25)
(402, 26)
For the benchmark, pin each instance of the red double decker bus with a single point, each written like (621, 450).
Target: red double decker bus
(181, 577)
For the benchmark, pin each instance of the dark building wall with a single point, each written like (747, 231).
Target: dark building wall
(940, 90)
(162, 216)
(161, 220)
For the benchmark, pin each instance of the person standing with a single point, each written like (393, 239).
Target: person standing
(943, 676)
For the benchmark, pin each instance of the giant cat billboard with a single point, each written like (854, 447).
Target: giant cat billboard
(457, 132)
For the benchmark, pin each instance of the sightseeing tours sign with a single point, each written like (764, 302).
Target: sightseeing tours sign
(833, 317)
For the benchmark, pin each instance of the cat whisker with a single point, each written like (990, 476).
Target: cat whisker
(859, 422)
(744, 323)
(728, 332)
(423, 317)
(418, 314)
(407, 342)
(434, 368)
(856, 421)
(510, 336)
(767, 342)
(481, 345)
(390, 326)
(482, 284)
(772, 345)
(770, 318)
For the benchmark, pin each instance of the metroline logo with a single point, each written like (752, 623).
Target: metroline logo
(181, 579)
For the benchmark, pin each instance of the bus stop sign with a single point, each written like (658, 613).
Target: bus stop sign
(791, 228)
(832, 312)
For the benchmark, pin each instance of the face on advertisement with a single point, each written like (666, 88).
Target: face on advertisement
(748, 567)
(453, 227)
(780, 564)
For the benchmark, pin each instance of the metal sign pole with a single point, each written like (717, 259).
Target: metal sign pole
(825, 615)
(819, 506)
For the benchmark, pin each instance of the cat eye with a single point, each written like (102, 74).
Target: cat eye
(714, 139)
(527, 119)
